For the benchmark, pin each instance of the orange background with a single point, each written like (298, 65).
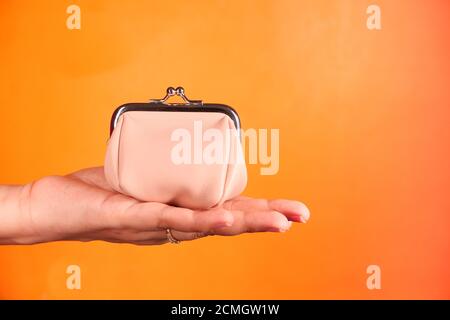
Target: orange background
(364, 133)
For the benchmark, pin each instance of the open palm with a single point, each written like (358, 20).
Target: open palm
(82, 206)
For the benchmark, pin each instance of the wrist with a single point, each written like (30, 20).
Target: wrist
(13, 213)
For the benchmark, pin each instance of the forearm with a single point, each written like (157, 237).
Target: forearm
(12, 201)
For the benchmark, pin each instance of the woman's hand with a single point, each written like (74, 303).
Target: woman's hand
(82, 206)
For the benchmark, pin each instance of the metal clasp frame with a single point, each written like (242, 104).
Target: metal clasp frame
(179, 91)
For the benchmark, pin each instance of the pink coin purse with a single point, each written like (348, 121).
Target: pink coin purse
(184, 154)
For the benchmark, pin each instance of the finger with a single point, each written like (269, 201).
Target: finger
(140, 243)
(188, 236)
(162, 236)
(262, 221)
(244, 222)
(256, 221)
(148, 236)
(159, 216)
(293, 210)
(132, 235)
(150, 243)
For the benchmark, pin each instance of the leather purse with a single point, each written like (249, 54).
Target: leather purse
(185, 154)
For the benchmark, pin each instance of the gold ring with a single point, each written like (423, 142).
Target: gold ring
(171, 238)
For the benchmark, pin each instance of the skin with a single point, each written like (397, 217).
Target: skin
(82, 207)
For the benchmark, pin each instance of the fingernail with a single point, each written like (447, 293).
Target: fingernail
(303, 219)
(285, 227)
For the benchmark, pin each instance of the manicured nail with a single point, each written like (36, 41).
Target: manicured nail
(303, 219)
(285, 227)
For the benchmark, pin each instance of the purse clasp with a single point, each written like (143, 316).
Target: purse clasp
(179, 91)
